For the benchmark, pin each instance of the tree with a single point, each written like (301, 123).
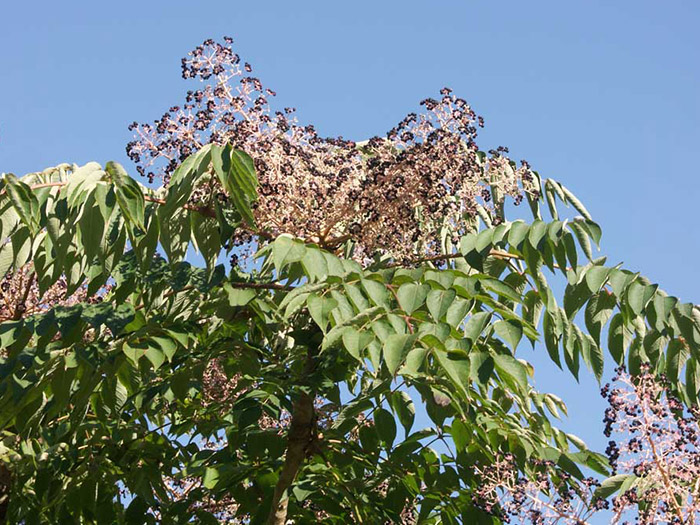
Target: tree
(136, 387)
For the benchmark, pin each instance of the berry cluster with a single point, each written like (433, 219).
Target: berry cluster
(390, 194)
(546, 495)
(659, 443)
(20, 295)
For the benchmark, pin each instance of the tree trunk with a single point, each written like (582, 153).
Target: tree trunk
(301, 433)
(299, 438)
(5, 486)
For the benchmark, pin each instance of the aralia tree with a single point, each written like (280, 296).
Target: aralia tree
(367, 279)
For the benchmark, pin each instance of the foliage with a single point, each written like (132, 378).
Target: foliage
(169, 392)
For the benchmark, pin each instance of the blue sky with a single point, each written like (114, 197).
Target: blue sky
(603, 96)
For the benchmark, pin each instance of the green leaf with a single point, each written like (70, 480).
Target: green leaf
(572, 351)
(570, 248)
(457, 311)
(315, 265)
(287, 250)
(551, 405)
(510, 331)
(636, 356)
(618, 338)
(175, 232)
(377, 292)
(182, 182)
(211, 477)
(551, 338)
(456, 366)
(460, 435)
(676, 356)
(593, 230)
(483, 241)
(596, 276)
(355, 341)
(167, 345)
(206, 237)
(596, 359)
(538, 230)
(639, 295)
(575, 297)
(236, 172)
(583, 239)
(510, 368)
(24, 201)
(129, 194)
(395, 350)
(239, 296)
(319, 308)
(412, 296)
(439, 302)
(136, 511)
(386, 426)
(481, 367)
(551, 201)
(403, 405)
(598, 311)
(613, 484)
(156, 356)
(476, 324)
(92, 227)
(518, 232)
(619, 280)
(577, 204)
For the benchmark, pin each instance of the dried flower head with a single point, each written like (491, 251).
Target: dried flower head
(390, 195)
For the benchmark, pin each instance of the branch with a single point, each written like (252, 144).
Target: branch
(499, 254)
(666, 482)
(263, 286)
(254, 286)
(23, 302)
(60, 185)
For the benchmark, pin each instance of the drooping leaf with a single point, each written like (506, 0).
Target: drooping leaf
(129, 194)
(386, 426)
(395, 350)
(510, 331)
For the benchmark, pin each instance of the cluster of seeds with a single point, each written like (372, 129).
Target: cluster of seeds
(20, 295)
(546, 497)
(659, 443)
(390, 194)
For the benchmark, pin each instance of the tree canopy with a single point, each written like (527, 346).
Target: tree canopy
(138, 387)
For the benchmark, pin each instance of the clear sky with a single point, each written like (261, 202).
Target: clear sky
(604, 96)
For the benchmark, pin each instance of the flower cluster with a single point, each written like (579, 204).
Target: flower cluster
(547, 496)
(223, 507)
(221, 391)
(659, 444)
(20, 295)
(390, 194)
